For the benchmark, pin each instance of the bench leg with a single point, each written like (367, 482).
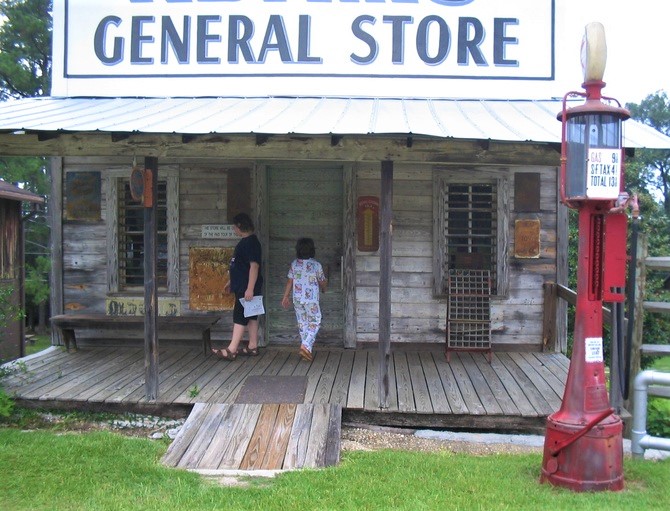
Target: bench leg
(69, 339)
(207, 341)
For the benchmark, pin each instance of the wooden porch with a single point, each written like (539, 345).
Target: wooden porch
(515, 392)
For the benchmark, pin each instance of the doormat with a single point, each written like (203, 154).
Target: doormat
(273, 389)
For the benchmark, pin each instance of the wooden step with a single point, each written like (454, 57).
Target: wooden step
(266, 437)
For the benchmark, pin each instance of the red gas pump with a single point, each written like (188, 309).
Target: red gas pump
(583, 447)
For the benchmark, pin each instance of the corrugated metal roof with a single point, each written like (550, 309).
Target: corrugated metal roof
(500, 120)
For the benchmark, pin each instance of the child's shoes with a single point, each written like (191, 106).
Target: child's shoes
(305, 354)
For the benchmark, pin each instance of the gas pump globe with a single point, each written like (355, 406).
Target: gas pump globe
(591, 148)
(583, 448)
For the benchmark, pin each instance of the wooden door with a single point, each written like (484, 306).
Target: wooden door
(304, 202)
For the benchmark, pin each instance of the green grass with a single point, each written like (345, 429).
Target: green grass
(661, 364)
(46, 470)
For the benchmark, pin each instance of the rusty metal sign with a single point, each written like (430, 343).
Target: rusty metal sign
(208, 275)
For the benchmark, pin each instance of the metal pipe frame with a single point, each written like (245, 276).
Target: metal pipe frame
(640, 440)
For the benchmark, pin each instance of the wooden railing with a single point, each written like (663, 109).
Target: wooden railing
(641, 306)
(553, 292)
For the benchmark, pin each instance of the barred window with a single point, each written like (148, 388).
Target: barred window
(131, 238)
(470, 228)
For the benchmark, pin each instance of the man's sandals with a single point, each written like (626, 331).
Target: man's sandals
(225, 354)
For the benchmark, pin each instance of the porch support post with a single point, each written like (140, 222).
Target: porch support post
(150, 284)
(385, 247)
(55, 205)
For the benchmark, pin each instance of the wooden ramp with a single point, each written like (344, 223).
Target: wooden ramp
(248, 437)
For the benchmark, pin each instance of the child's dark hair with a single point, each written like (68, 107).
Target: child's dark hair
(304, 249)
(243, 222)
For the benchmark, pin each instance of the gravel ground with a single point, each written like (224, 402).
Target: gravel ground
(370, 438)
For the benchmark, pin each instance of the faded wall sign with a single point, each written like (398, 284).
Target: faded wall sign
(134, 306)
(208, 274)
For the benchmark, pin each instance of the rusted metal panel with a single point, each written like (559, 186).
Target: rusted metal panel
(527, 192)
(527, 239)
(208, 275)
(82, 196)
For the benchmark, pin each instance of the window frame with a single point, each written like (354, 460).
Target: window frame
(114, 178)
(498, 178)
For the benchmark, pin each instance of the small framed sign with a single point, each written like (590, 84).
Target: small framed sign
(219, 232)
(367, 223)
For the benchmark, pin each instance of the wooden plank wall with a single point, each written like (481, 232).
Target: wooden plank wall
(415, 314)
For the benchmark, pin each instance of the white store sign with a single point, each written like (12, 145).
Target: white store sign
(268, 47)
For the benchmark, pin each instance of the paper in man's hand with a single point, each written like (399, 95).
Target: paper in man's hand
(253, 307)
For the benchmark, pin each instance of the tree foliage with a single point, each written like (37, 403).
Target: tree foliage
(25, 71)
(25, 48)
(654, 165)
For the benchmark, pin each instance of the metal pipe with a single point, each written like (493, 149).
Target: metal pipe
(639, 438)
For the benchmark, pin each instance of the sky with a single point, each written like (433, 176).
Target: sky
(637, 53)
(637, 46)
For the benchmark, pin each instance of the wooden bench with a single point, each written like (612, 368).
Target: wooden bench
(67, 323)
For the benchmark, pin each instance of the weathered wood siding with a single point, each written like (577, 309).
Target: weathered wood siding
(10, 279)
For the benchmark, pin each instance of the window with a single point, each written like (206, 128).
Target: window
(471, 228)
(131, 238)
(125, 222)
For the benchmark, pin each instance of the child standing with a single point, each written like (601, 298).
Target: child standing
(306, 279)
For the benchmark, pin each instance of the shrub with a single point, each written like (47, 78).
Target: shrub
(6, 404)
(658, 417)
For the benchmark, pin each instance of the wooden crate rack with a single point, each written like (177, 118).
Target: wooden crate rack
(469, 311)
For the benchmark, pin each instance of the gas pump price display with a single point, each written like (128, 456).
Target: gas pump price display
(603, 173)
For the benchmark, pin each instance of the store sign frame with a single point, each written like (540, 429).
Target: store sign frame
(246, 47)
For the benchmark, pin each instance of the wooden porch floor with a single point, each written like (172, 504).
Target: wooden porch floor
(516, 391)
